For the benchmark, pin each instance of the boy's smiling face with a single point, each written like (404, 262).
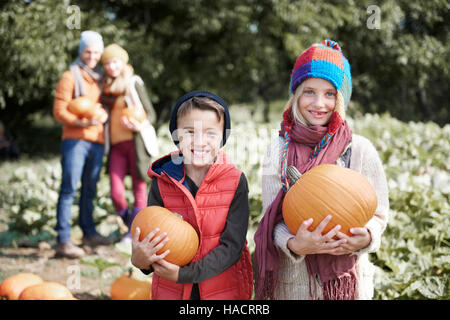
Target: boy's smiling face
(200, 133)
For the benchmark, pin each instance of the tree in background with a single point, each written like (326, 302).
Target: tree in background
(243, 50)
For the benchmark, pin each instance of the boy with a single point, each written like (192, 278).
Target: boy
(200, 183)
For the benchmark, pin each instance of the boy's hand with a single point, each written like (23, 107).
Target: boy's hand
(166, 270)
(143, 252)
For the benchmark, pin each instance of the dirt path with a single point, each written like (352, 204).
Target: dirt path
(85, 281)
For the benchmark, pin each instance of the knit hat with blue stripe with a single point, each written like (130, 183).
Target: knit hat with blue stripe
(326, 61)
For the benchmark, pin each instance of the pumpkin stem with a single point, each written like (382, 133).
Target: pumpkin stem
(130, 272)
(293, 174)
(178, 215)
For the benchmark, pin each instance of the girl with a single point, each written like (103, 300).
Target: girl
(130, 151)
(309, 265)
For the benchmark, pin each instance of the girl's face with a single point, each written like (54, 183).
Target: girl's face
(113, 67)
(200, 134)
(90, 56)
(317, 101)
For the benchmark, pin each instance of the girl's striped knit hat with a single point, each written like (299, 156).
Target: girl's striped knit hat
(326, 61)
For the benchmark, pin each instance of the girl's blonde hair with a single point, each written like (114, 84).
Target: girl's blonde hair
(293, 102)
(118, 85)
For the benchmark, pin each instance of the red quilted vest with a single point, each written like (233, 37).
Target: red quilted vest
(207, 213)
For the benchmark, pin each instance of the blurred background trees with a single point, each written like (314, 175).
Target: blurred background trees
(242, 49)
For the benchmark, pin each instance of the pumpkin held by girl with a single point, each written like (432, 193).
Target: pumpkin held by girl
(328, 189)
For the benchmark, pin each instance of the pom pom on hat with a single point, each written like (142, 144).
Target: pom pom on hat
(326, 61)
(115, 51)
(90, 38)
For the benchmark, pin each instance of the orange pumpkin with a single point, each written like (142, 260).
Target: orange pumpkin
(46, 290)
(128, 287)
(82, 107)
(183, 239)
(135, 113)
(12, 286)
(328, 189)
(99, 112)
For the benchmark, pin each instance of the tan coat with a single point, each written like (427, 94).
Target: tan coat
(293, 278)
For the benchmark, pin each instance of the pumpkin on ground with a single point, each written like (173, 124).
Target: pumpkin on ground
(137, 114)
(183, 239)
(129, 287)
(46, 290)
(328, 189)
(82, 107)
(12, 287)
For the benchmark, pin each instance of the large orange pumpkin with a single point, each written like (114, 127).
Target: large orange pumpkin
(46, 290)
(97, 112)
(128, 287)
(135, 113)
(328, 189)
(82, 107)
(12, 286)
(183, 239)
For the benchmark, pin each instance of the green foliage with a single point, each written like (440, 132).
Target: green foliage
(36, 48)
(414, 259)
(243, 50)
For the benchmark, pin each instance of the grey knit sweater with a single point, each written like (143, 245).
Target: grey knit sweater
(293, 279)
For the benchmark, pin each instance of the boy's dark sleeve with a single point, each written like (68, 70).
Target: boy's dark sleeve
(154, 199)
(231, 244)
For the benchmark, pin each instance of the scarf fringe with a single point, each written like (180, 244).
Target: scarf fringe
(342, 288)
(265, 286)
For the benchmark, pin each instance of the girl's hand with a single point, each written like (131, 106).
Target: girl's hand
(313, 242)
(143, 252)
(361, 238)
(166, 270)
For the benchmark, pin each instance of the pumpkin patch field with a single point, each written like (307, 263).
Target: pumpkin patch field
(412, 263)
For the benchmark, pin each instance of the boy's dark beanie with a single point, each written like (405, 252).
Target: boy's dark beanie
(199, 93)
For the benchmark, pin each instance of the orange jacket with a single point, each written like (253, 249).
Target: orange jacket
(207, 213)
(117, 132)
(63, 95)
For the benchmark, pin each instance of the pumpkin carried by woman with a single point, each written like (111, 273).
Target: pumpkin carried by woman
(183, 239)
(328, 189)
(137, 114)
